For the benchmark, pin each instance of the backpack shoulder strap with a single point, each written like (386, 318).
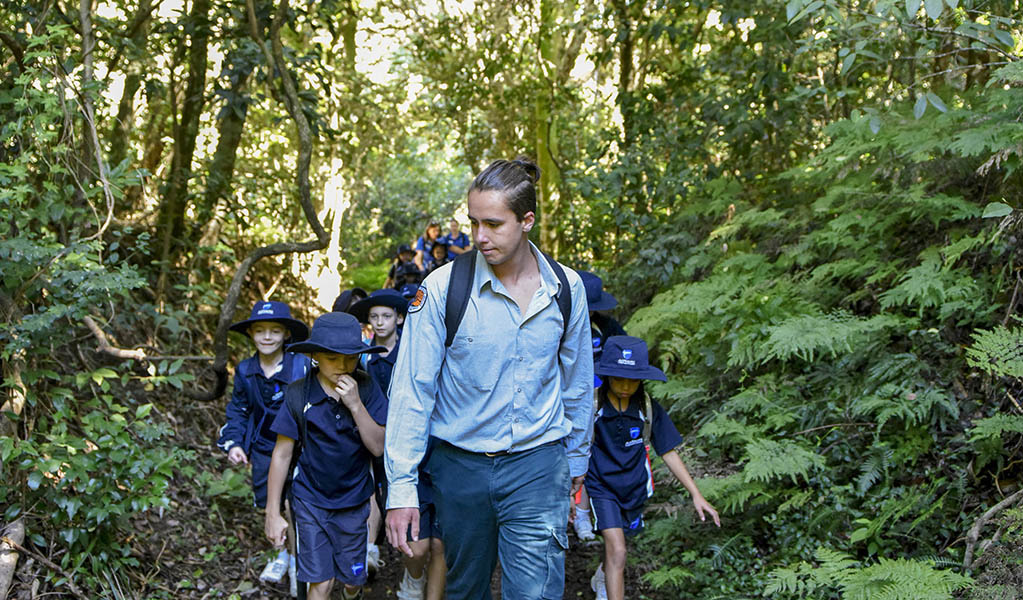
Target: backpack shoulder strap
(564, 296)
(648, 423)
(459, 289)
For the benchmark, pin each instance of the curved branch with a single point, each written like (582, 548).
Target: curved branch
(276, 63)
(974, 534)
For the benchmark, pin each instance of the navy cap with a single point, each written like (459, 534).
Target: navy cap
(277, 312)
(344, 301)
(626, 356)
(404, 248)
(596, 297)
(408, 291)
(385, 297)
(336, 332)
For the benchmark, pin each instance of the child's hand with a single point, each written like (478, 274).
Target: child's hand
(701, 506)
(275, 528)
(237, 456)
(348, 390)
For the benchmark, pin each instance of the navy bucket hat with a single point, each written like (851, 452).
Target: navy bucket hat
(335, 332)
(408, 291)
(344, 301)
(276, 312)
(596, 297)
(626, 356)
(385, 297)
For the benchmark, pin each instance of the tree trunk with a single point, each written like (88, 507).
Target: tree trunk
(124, 123)
(9, 554)
(221, 169)
(175, 200)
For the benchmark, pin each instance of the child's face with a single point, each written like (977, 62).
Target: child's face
(405, 256)
(384, 320)
(268, 336)
(333, 365)
(622, 387)
(439, 252)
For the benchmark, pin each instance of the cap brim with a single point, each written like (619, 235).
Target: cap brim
(605, 302)
(360, 310)
(310, 347)
(297, 329)
(650, 372)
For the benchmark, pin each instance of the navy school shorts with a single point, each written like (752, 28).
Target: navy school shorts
(260, 462)
(331, 543)
(609, 514)
(428, 525)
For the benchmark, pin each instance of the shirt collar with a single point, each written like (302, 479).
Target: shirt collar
(316, 393)
(252, 367)
(485, 273)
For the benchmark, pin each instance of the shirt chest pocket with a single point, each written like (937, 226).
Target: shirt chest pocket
(475, 360)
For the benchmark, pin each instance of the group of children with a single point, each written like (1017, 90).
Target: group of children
(432, 251)
(308, 413)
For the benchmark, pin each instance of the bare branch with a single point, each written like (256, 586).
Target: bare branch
(974, 534)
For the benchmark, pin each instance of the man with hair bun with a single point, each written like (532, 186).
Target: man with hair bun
(506, 396)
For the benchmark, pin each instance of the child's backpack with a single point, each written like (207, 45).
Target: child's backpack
(294, 400)
(459, 289)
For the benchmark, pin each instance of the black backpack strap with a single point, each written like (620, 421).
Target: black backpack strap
(564, 295)
(459, 288)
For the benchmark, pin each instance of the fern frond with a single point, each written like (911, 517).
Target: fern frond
(992, 428)
(767, 460)
(902, 579)
(998, 351)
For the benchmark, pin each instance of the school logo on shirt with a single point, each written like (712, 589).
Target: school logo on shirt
(596, 343)
(634, 432)
(626, 358)
(307, 406)
(417, 303)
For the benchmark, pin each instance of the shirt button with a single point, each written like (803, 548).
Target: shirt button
(468, 340)
(520, 359)
(518, 390)
(337, 416)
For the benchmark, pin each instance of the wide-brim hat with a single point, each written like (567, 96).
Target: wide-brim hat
(335, 332)
(344, 300)
(596, 297)
(626, 356)
(408, 291)
(277, 312)
(386, 297)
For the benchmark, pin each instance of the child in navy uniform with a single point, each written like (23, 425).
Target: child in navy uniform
(425, 570)
(340, 426)
(438, 255)
(602, 326)
(259, 383)
(619, 479)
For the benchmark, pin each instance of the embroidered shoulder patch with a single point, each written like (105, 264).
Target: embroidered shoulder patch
(417, 303)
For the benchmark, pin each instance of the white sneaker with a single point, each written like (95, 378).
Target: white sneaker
(597, 583)
(583, 526)
(373, 562)
(275, 570)
(411, 589)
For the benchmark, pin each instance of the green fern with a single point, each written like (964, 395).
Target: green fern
(873, 467)
(994, 427)
(767, 460)
(998, 351)
(732, 495)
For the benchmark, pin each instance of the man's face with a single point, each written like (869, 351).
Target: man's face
(384, 320)
(268, 336)
(333, 365)
(495, 230)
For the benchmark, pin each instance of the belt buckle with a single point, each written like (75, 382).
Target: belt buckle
(495, 454)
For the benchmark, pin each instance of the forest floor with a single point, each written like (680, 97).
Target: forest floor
(209, 542)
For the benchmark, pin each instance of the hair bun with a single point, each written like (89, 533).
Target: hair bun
(527, 165)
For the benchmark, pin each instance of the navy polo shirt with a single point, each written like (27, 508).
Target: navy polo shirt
(333, 468)
(380, 365)
(618, 463)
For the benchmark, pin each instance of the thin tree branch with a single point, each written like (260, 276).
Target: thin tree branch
(974, 534)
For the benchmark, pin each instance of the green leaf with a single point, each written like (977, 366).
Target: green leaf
(920, 107)
(996, 210)
(936, 102)
(912, 7)
(34, 479)
(792, 8)
(952, 3)
(142, 411)
(933, 8)
(1005, 37)
(875, 124)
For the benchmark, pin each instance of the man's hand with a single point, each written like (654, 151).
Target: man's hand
(237, 456)
(577, 484)
(275, 528)
(398, 521)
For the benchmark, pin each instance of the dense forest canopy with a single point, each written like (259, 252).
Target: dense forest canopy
(810, 209)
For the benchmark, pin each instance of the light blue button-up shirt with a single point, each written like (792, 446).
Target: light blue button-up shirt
(505, 383)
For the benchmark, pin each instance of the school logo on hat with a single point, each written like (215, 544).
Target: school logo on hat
(419, 301)
(266, 309)
(626, 358)
(627, 353)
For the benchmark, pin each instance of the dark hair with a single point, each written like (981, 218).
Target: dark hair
(605, 385)
(516, 179)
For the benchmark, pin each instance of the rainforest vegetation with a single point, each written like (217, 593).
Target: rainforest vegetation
(811, 210)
